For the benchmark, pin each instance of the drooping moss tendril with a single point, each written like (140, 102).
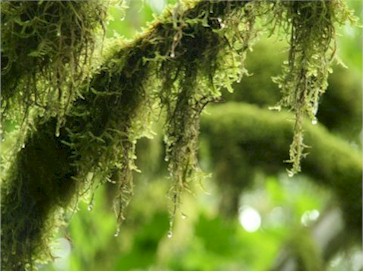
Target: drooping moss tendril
(312, 40)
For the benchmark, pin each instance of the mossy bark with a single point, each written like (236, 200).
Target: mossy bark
(99, 134)
(39, 184)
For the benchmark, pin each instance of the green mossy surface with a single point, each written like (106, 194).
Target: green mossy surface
(46, 47)
(37, 187)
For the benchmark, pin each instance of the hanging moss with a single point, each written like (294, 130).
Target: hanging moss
(193, 78)
(45, 53)
(311, 25)
(187, 53)
(103, 128)
(340, 110)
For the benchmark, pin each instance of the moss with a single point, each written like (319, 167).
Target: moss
(311, 25)
(38, 185)
(202, 61)
(173, 70)
(340, 110)
(186, 50)
(262, 63)
(104, 139)
(45, 53)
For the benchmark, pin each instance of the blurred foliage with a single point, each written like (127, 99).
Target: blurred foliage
(204, 239)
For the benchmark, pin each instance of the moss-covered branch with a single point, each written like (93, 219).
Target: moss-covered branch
(39, 184)
(262, 137)
(98, 140)
(172, 70)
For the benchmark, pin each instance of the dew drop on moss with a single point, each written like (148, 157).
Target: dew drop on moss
(116, 234)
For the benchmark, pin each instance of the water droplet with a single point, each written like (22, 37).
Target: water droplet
(314, 121)
(223, 25)
(116, 234)
(183, 216)
(219, 20)
(238, 81)
(275, 108)
(290, 174)
(23, 146)
(315, 108)
(57, 134)
(169, 234)
(90, 207)
(172, 55)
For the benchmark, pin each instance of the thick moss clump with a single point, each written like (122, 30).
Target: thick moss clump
(46, 48)
(38, 185)
(103, 126)
(176, 66)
